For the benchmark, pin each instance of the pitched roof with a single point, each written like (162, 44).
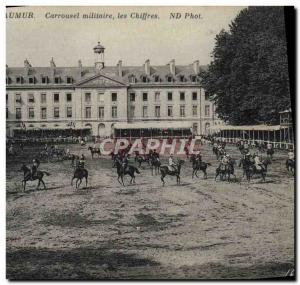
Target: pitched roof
(79, 74)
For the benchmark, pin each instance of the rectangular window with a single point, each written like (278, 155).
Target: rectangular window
(6, 113)
(114, 112)
(31, 80)
(132, 97)
(101, 97)
(157, 96)
(69, 97)
(44, 79)
(145, 111)
(194, 95)
(6, 99)
(157, 111)
(31, 113)
(19, 80)
(113, 97)
(182, 96)
(88, 112)
(43, 98)
(206, 95)
(56, 112)
(18, 98)
(207, 111)
(195, 110)
(145, 96)
(87, 97)
(170, 96)
(182, 111)
(101, 112)
(69, 80)
(170, 111)
(56, 97)
(30, 98)
(44, 113)
(57, 80)
(69, 112)
(18, 114)
(132, 110)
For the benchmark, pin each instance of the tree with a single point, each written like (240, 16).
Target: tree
(248, 76)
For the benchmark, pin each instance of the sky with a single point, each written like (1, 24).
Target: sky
(131, 40)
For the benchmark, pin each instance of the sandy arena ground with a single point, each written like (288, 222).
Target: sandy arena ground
(200, 229)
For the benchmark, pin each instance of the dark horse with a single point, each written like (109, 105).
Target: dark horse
(28, 177)
(225, 170)
(250, 169)
(79, 174)
(155, 164)
(94, 150)
(140, 159)
(164, 170)
(129, 170)
(290, 166)
(199, 165)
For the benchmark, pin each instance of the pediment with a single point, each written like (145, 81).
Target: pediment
(101, 81)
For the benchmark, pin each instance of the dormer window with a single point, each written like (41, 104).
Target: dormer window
(132, 79)
(181, 78)
(19, 79)
(144, 79)
(193, 78)
(169, 78)
(31, 80)
(156, 78)
(57, 80)
(69, 80)
(44, 79)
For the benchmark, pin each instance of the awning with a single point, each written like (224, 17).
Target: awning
(247, 128)
(154, 125)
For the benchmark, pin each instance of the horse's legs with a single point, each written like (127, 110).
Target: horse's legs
(43, 183)
(38, 184)
(162, 179)
(86, 181)
(119, 179)
(24, 185)
(204, 174)
(196, 173)
(80, 180)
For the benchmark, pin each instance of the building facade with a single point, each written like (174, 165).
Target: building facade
(95, 98)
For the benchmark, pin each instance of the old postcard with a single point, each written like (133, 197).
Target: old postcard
(149, 143)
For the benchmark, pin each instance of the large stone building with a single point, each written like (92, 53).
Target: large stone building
(94, 99)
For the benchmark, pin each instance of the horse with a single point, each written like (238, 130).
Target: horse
(199, 165)
(290, 166)
(80, 173)
(164, 170)
(226, 170)
(250, 169)
(155, 163)
(28, 177)
(140, 159)
(246, 164)
(94, 150)
(129, 170)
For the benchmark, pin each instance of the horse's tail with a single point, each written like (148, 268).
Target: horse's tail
(47, 173)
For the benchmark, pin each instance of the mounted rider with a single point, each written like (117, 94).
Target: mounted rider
(81, 162)
(125, 162)
(257, 162)
(172, 165)
(34, 167)
(155, 155)
(224, 161)
(291, 156)
(199, 157)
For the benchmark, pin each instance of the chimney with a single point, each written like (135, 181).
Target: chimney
(52, 63)
(147, 67)
(172, 66)
(27, 66)
(119, 66)
(196, 66)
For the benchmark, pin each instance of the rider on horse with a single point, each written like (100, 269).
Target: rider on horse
(155, 155)
(34, 167)
(125, 161)
(199, 157)
(172, 164)
(258, 164)
(81, 162)
(291, 156)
